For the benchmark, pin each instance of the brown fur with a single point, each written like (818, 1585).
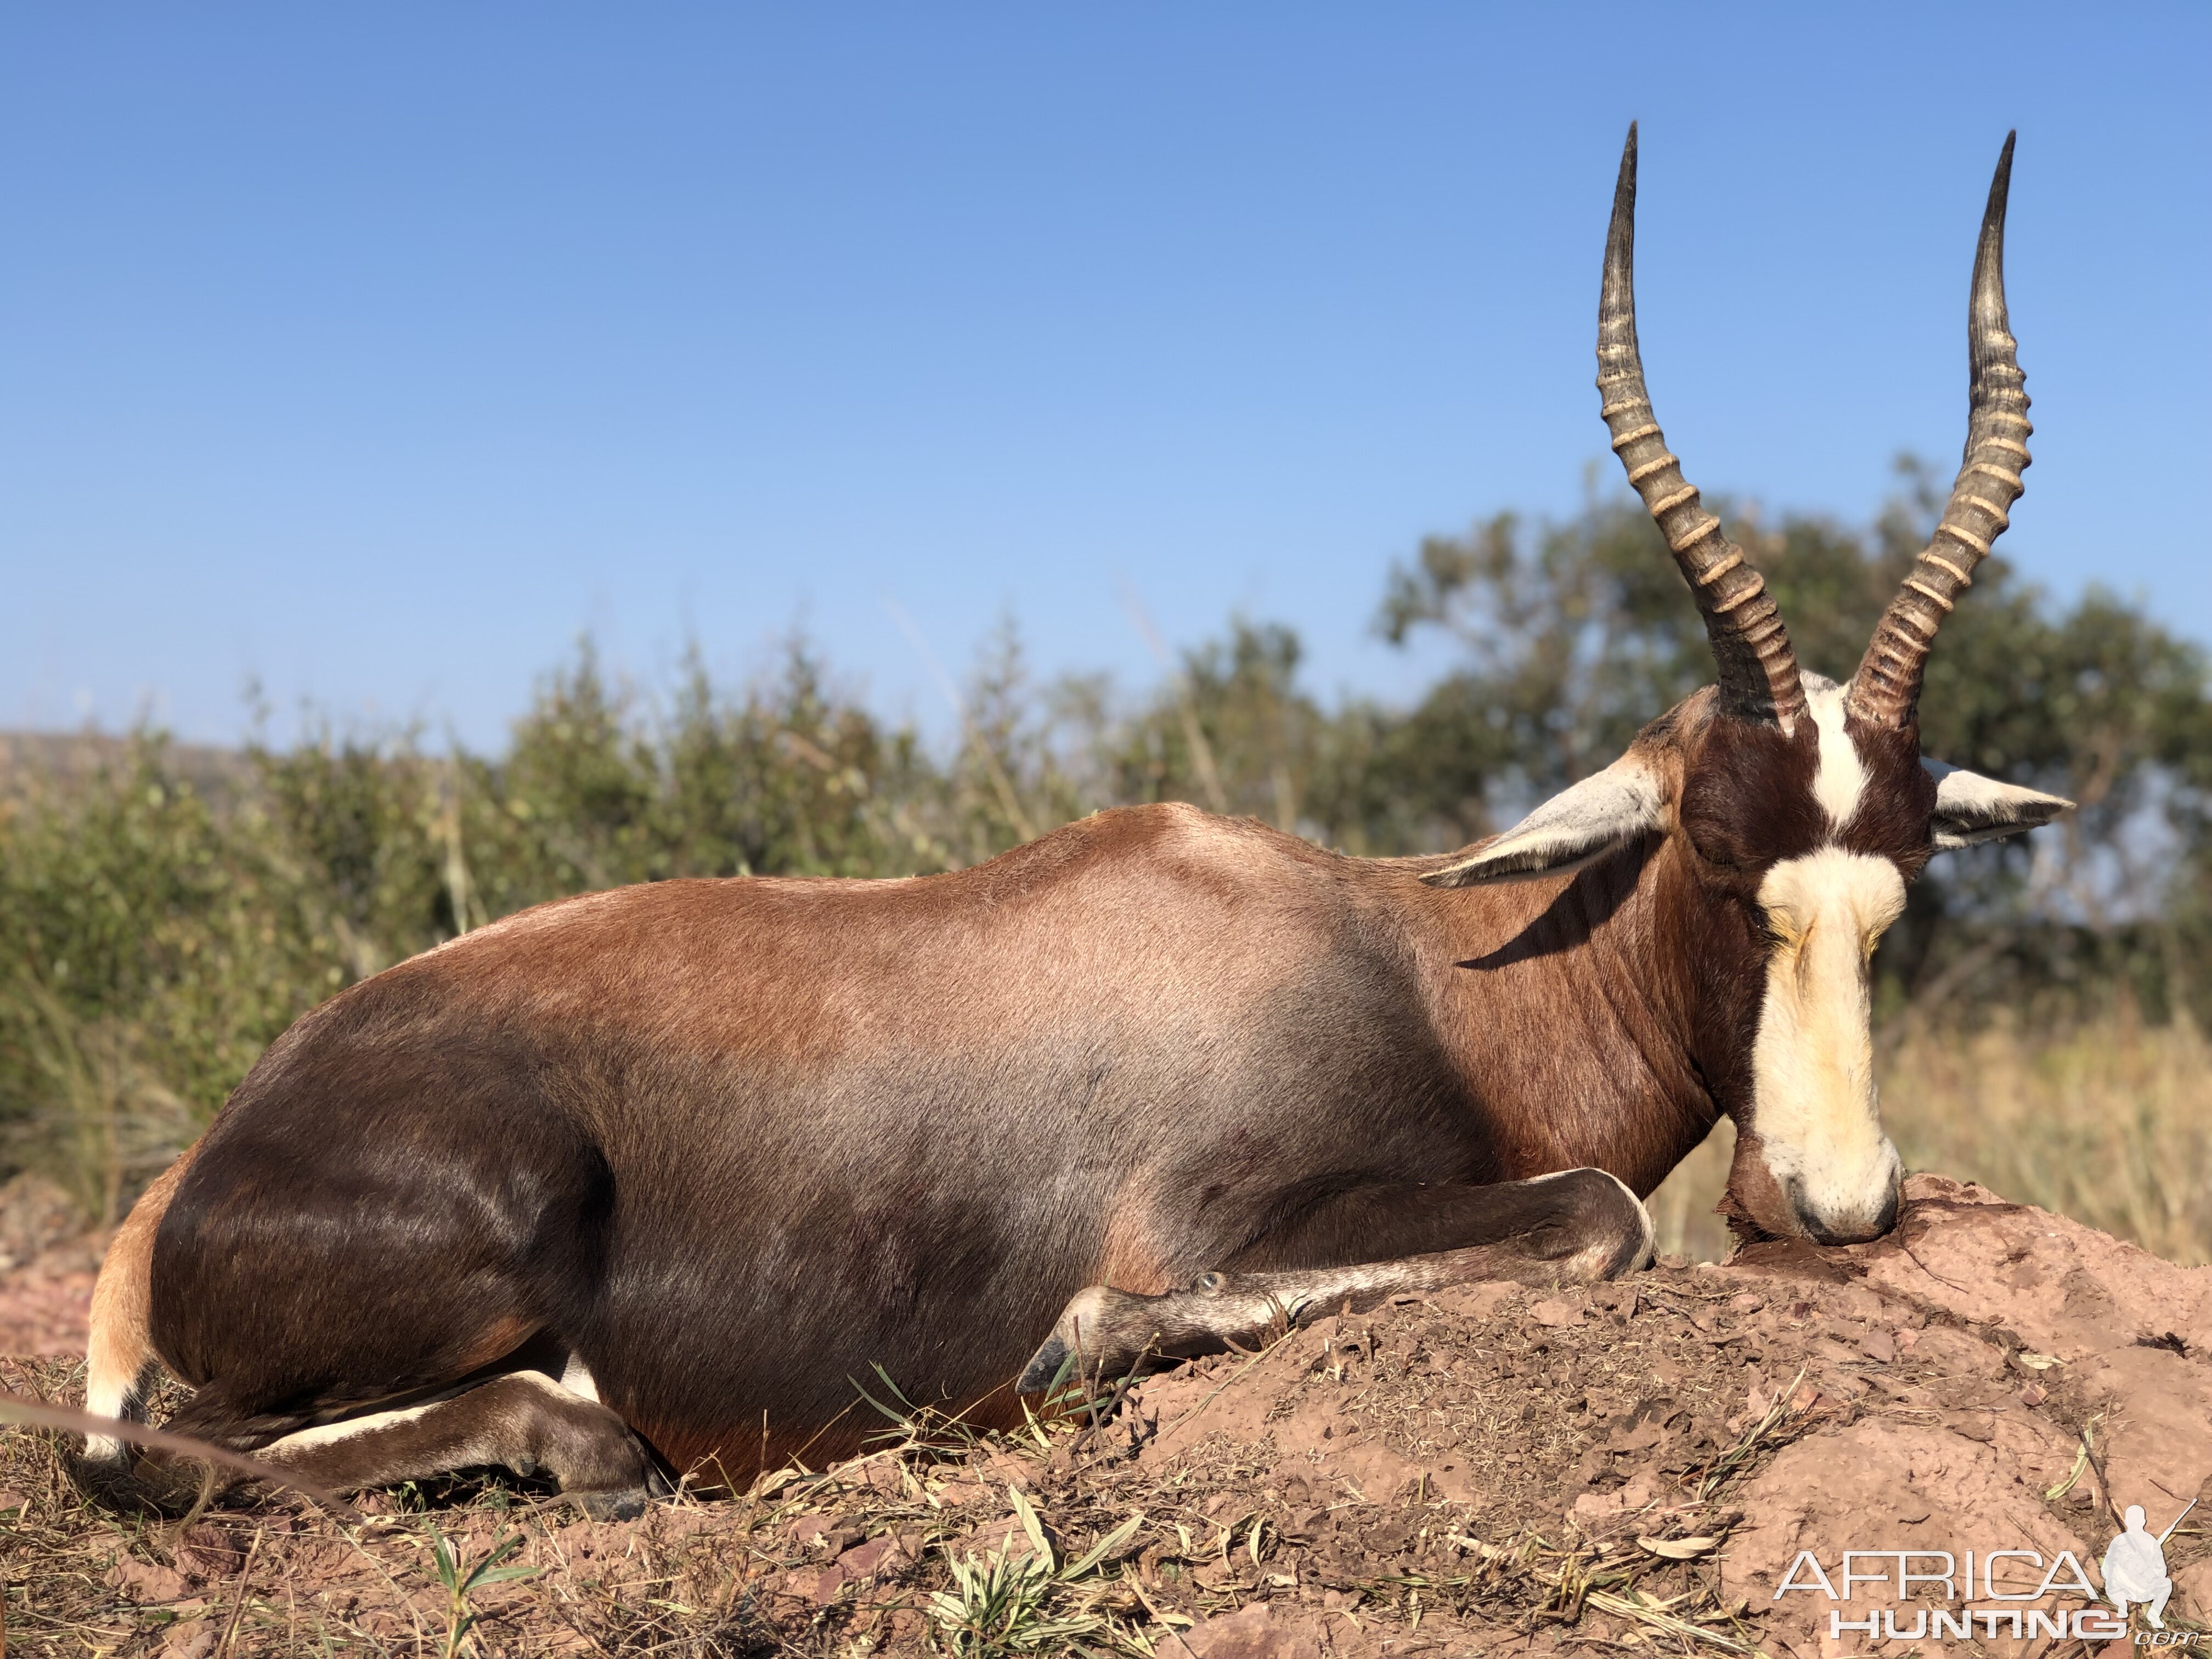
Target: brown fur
(511, 1421)
(735, 1143)
(121, 1345)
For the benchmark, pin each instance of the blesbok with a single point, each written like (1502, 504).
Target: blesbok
(640, 1181)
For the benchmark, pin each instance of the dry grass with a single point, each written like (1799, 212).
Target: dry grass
(2109, 1121)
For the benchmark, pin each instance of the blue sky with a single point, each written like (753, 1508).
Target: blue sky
(375, 353)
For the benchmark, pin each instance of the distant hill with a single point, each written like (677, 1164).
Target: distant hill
(27, 756)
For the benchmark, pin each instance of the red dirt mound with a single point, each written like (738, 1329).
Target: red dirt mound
(1642, 1464)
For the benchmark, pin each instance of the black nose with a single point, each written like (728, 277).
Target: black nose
(1821, 1231)
(1888, 1219)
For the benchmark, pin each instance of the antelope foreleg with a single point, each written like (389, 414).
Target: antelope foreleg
(1579, 1225)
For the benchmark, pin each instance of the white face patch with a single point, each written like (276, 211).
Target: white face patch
(1840, 783)
(1813, 1103)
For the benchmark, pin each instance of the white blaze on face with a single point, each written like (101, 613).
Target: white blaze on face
(1842, 778)
(1813, 1103)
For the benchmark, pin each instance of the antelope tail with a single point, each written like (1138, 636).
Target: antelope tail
(119, 1360)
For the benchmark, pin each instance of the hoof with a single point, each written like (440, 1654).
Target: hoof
(1044, 1367)
(111, 1483)
(148, 1487)
(623, 1505)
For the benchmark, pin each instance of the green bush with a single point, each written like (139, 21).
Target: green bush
(158, 932)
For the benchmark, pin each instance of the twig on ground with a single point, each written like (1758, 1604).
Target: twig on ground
(15, 1409)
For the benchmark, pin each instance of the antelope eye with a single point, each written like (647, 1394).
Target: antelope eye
(1783, 931)
(1716, 847)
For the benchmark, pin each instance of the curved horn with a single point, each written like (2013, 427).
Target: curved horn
(1886, 691)
(1757, 669)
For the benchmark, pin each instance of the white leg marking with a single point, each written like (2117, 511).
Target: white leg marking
(324, 1434)
(1648, 1248)
(579, 1382)
(120, 1397)
(1588, 1262)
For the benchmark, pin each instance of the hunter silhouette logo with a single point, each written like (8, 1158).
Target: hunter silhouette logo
(2135, 1566)
(1962, 1597)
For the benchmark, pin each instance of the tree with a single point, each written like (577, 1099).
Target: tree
(1576, 633)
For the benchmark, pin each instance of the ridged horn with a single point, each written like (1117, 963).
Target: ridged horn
(1751, 647)
(1886, 691)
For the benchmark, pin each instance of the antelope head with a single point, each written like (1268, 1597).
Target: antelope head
(1795, 809)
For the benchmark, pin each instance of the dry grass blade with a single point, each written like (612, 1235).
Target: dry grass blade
(1766, 1435)
(1625, 1606)
(238, 1596)
(1678, 1549)
(2084, 1450)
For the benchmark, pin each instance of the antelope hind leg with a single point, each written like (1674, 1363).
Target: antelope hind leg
(522, 1421)
(1584, 1225)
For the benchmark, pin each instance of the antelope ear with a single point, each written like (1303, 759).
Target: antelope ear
(1972, 808)
(1581, 824)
